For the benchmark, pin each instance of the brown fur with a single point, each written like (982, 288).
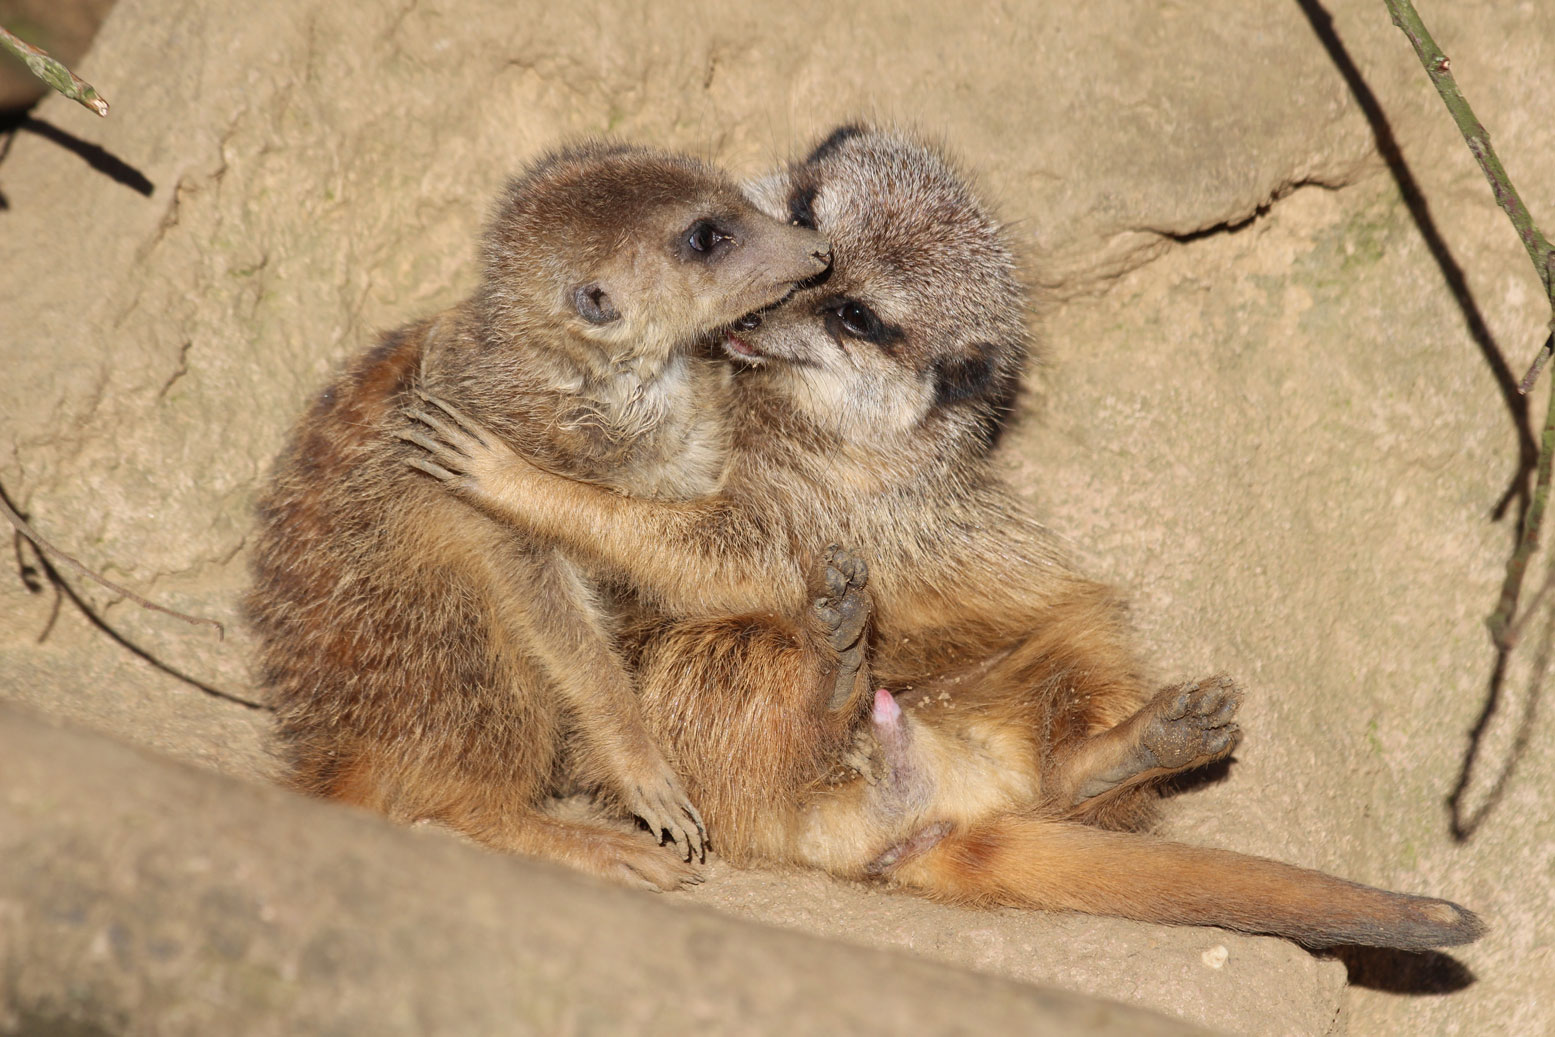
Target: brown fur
(428, 662)
(1031, 728)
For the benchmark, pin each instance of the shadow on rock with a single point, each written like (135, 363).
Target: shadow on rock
(1198, 778)
(1420, 973)
(94, 155)
(40, 574)
(1462, 821)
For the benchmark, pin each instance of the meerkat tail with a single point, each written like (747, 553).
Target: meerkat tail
(1051, 865)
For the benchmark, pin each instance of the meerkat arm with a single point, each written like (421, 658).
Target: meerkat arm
(547, 599)
(707, 557)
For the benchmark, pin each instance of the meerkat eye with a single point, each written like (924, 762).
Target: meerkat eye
(704, 236)
(854, 319)
(858, 319)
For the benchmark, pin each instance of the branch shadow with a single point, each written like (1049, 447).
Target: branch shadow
(10, 122)
(1518, 495)
(30, 571)
(94, 155)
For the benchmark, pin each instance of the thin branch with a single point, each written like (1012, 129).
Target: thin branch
(43, 545)
(54, 73)
(1545, 352)
(1440, 70)
(1503, 630)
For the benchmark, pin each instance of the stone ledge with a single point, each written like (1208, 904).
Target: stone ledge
(139, 895)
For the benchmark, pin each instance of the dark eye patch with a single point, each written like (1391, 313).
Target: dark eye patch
(854, 319)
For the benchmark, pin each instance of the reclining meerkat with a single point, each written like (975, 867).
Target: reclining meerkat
(428, 662)
(1029, 743)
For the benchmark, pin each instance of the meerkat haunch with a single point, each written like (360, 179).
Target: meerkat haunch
(1023, 760)
(428, 662)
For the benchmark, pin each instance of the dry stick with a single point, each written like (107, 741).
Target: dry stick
(43, 545)
(1438, 68)
(54, 73)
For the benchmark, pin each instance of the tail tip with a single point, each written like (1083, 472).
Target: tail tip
(1458, 924)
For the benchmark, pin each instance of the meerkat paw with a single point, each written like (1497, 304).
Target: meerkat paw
(841, 604)
(459, 451)
(840, 610)
(1192, 724)
(657, 799)
(652, 868)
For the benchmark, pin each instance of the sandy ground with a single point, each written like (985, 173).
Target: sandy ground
(1279, 311)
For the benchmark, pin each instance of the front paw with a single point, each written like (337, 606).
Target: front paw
(457, 451)
(658, 800)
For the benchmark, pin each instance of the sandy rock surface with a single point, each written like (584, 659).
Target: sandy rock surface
(1274, 407)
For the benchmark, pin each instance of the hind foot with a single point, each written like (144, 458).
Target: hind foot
(840, 610)
(841, 603)
(1181, 728)
(1192, 725)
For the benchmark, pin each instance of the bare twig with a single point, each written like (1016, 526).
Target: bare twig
(43, 545)
(1501, 622)
(1440, 70)
(1545, 351)
(54, 73)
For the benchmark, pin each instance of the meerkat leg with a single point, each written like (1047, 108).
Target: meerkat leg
(1181, 728)
(840, 611)
(615, 856)
(553, 609)
(756, 710)
(500, 815)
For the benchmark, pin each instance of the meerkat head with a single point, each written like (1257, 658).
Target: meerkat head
(631, 251)
(920, 320)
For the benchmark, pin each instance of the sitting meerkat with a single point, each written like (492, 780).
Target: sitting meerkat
(1020, 760)
(428, 662)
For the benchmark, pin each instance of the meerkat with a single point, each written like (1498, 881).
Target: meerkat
(428, 662)
(1019, 765)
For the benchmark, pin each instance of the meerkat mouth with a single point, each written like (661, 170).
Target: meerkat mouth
(738, 347)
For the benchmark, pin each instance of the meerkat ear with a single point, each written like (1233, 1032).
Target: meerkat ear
(594, 305)
(963, 377)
